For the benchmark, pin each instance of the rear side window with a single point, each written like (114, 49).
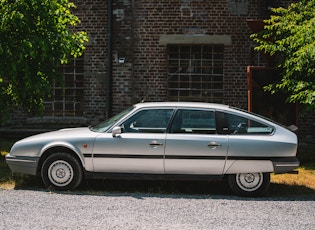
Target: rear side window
(193, 121)
(238, 125)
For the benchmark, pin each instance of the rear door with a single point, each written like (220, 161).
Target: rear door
(193, 145)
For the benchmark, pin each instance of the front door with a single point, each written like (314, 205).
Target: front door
(139, 148)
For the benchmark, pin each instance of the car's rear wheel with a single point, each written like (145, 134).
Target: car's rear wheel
(249, 184)
(62, 171)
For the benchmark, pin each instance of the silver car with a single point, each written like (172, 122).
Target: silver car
(163, 140)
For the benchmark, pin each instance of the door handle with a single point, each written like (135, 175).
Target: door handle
(214, 144)
(155, 144)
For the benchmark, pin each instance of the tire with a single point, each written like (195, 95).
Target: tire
(249, 184)
(62, 171)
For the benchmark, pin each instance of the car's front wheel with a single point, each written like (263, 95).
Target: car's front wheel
(249, 184)
(61, 171)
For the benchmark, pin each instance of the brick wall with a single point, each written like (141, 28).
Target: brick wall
(138, 26)
(93, 16)
(140, 60)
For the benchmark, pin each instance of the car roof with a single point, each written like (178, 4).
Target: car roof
(205, 106)
(181, 104)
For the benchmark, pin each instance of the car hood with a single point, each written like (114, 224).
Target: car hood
(73, 138)
(63, 134)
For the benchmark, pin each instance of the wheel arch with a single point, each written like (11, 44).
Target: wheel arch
(53, 149)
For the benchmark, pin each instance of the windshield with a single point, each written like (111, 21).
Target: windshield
(105, 125)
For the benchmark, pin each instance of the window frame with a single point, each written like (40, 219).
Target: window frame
(135, 129)
(189, 81)
(67, 95)
(197, 130)
(226, 129)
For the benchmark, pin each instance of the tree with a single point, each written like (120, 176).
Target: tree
(36, 38)
(289, 36)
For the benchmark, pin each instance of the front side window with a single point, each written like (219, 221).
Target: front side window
(194, 122)
(105, 125)
(148, 121)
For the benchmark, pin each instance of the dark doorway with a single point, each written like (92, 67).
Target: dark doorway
(273, 106)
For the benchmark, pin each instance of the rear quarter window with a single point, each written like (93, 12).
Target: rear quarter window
(238, 125)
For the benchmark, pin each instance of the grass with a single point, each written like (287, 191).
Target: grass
(306, 177)
(302, 184)
(6, 177)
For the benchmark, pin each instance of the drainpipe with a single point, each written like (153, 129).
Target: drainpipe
(109, 60)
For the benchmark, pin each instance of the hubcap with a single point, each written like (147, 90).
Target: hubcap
(60, 173)
(249, 181)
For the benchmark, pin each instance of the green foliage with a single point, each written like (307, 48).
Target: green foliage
(36, 37)
(289, 34)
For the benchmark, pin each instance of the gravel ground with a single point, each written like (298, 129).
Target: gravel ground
(41, 209)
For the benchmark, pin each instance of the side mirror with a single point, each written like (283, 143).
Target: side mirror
(116, 131)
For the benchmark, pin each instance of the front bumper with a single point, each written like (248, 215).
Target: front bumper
(284, 165)
(22, 164)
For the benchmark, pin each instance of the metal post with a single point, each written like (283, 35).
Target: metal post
(109, 61)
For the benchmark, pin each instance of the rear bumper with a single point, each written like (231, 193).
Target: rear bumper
(284, 165)
(22, 164)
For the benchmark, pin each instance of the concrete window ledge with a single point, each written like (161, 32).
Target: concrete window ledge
(178, 39)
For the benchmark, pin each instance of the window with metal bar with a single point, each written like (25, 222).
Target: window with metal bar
(195, 73)
(67, 101)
